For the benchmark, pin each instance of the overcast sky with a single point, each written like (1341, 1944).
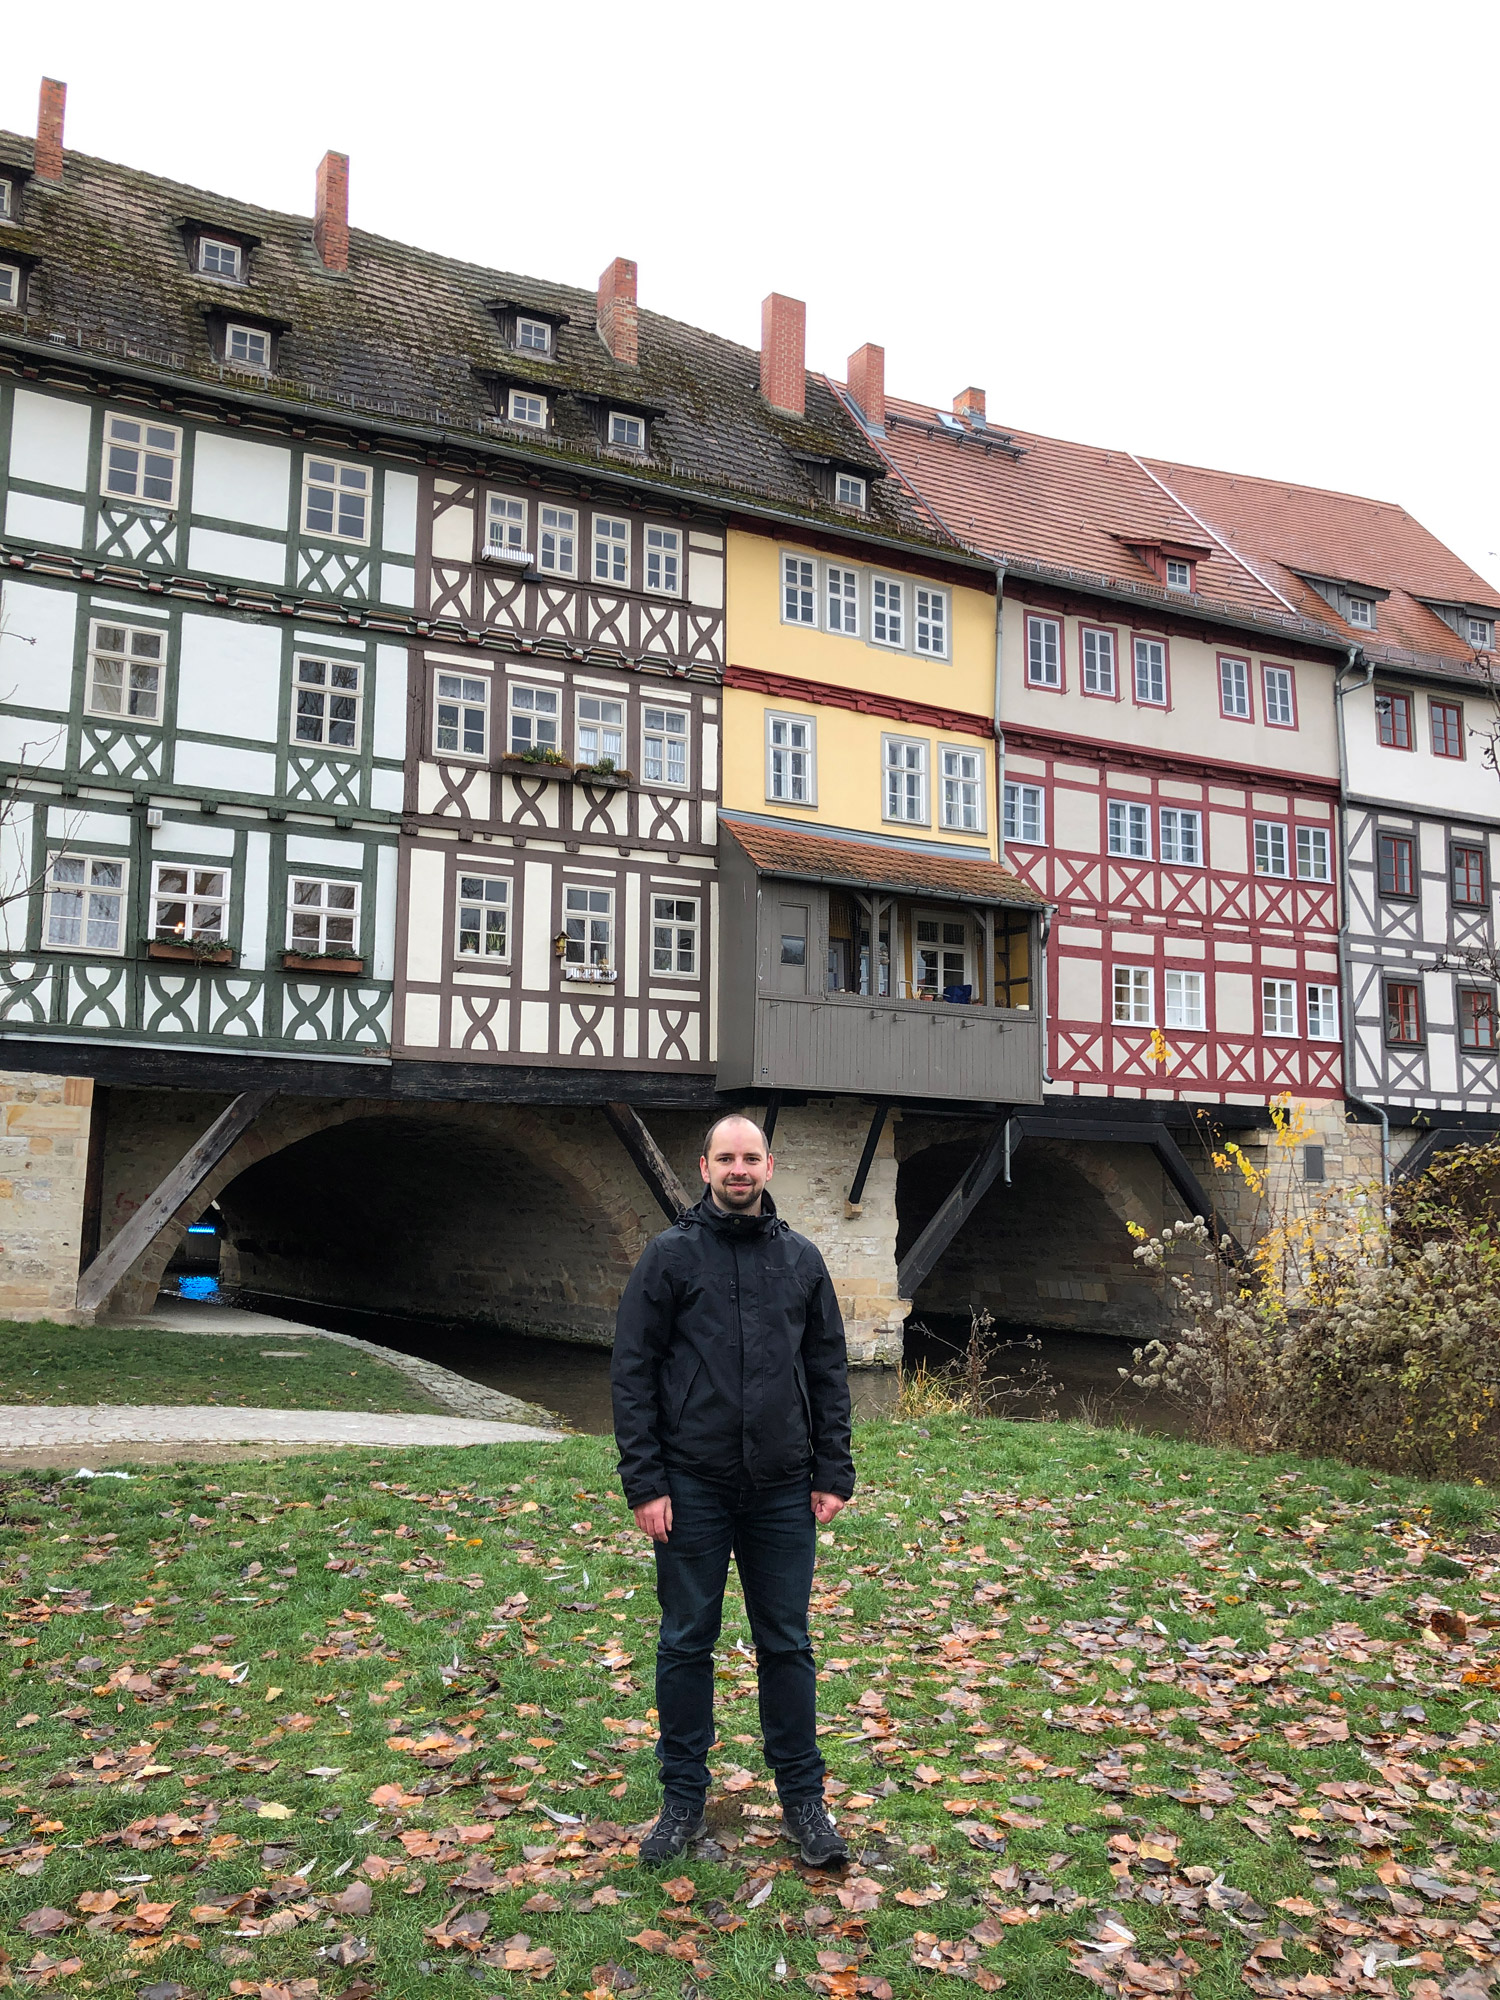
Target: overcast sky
(1260, 237)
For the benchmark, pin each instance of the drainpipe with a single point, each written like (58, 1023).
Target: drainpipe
(1346, 973)
(999, 731)
(1041, 981)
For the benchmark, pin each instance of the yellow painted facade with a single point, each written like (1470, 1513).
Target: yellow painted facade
(849, 749)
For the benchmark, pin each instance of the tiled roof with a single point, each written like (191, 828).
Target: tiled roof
(407, 331)
(791, 850)
(1293, 532)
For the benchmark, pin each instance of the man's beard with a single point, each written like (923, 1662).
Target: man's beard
(739, 1198)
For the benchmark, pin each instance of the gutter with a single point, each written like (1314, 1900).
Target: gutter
(1356, 658)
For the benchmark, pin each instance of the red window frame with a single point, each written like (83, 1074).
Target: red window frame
(1393, 720)
(1241, 660)
(1059, 686)
(1403, 1013)
(1446, 721)
(1278, 667)
(1152, 639)
(1466, 876)
(1109, 632)
(1476, 1019)
(1396, 864)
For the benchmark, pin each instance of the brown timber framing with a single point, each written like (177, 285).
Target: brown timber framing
(157, 1210)
(650, 1160)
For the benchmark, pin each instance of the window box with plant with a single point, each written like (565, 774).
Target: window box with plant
(321, 961)
(605, 772)
(541, 757)
(190, 950)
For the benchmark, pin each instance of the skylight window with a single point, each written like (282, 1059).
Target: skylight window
(219, 258)
(1361, 612)
(249, 346)
(1179, 574)
(535, 335)
(525, 408)
(627, 432)
(851, 491)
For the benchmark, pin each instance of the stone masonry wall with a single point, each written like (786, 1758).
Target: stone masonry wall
(43, 1166)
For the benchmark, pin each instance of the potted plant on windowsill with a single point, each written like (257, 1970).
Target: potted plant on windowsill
(189, 950)
(606, 773)
(296, 960)
(541, 760)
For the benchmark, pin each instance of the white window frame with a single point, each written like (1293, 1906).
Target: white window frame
(841, 599)
(589, 926)
(663, 739)
(799, 590)
(1126, 822)
(557, 539)
(348, 483)
(1280, 713)
(7, 198)
(507, 512)
(10, 287)
(663, 565)
(1325, 1012)
(520, 705)
(1128, 985)
(930, 621)
(905, 763)
(851, 491)
(678, 919)
(524, 324)
(1101, 668)
(1270, 844)
(1360, 612)
(600, 725)
(1145, 664)
(329, 691)
(1182, 582)
(248, 335)
(1278, 1005)
(940, 945)
(1481, 633)
(1019, 804)
(468, 692)
(88, 890)
(326, 911)
(127, 659)
(194, 892)
(482, 901)
(782, 778)
(1043, 659)
(236, 269)
(888, 611)
(622, 420)
(526, 407)
(1314, 856)
(610, 536)
(1183, 819)
(1234, 688)
(151, 452)
(962, 790)
(1182, 998)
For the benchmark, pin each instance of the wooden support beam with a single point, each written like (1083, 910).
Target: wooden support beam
(142, 1229)
(768, 1119)
(955, 1212)
(1441, 1139)
(866, 1158)
(651, 1162)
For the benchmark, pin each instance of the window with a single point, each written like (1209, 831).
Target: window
(1447, 728)
(507, 522)
(789, 759)
(1270, 848)
(1397, 864)
(1151, 672)
(10, 284)
(1323, 1013)
(1130, 830)
(1278, 1007)
(798, 599)
(1466, 875)
(483, 916)
(887, 609)
(190, 904)
(930, 622)
(534, 336)
(1179, 574)
(664, 733)
(843, 599)
(611, 550)
(963, 789)
(1023, 815)
(523, 406)
(1043, 653)
(664, 561)
(85, 903)
(1312, 854)
(1476, 1017)
(1280, 704)
(250, 346)
(323, 918)
(218, 258)
(7, 200)
(141, 460)
(674, 935)
(905, 779)
(1481, 630)
(1314, 1164)
(1234, 689)
(125, 670)
(1361, 612)
(557, 540)
(1182, 999)
(1182, 836)
(626, 432)
(588, 923)
(1098, 662)
(328, 697)
(336, 501)
(940, 958)
(850, 491)
(534, 716)
(1393, 720)
(601, 730)
(1133, 996)
(1403, 1012)
(461, 716)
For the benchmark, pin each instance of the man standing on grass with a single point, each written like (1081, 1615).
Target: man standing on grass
(732, 1418)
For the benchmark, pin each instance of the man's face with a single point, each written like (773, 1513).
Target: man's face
(736, 1167)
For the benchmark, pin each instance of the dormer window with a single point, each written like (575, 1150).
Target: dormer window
(1481, 633)
(534, 335)
(248, 347)
(851, 491)
(7, 200)
(219, 258)
(10, 285)
(1179, 574)
(627, 433)
(524, 407)
(1361, 612)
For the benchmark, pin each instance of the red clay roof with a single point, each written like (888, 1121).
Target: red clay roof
(791, 850)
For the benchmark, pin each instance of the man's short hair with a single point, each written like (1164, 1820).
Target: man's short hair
(730, 1118)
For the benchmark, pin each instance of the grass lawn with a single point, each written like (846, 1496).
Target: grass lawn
(41, 1362)
(1173, 1718)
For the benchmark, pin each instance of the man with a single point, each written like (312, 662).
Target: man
(732, 1418)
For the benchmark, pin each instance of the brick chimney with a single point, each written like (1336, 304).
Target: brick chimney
(331, 217)
(783, 349)
(867, 384)
(616, 313)
(49, 129)
(969, 402)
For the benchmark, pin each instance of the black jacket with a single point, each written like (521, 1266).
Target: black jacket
(729, 1359)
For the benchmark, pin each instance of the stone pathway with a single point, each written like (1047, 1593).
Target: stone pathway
(83, 1427)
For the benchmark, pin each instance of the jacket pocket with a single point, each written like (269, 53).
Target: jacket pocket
(677, 1399)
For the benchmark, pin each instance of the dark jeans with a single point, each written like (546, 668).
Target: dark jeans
(772, 1535)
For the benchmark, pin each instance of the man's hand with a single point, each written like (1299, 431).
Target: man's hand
(655, 1518)
(824, 1506)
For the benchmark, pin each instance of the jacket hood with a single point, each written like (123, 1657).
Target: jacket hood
(708, 1214)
